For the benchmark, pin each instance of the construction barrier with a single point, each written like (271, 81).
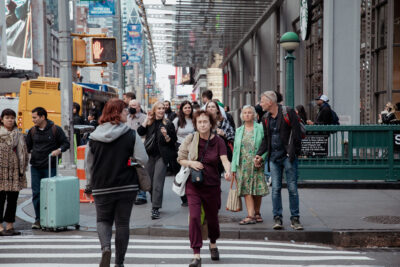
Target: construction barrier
(80, 172)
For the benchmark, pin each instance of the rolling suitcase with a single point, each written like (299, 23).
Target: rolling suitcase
(59, 201)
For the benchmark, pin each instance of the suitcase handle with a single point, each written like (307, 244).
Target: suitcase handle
(50, 165)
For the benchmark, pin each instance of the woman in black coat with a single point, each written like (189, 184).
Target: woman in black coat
(160, 146)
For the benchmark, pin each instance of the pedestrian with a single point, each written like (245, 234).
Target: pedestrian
(77, 119)
(160, 146)
(251, 181)
(183, 127)
(207, 96)
(223, 127)
(387, 115)
(282, 141)
(134, 120)
(324, 116)
(13, 164)
(92, 119)
(195, 106)
(43, 138)
(169, 114)
(110, 180)
(205, 146)
(127, 97)
(301, 111)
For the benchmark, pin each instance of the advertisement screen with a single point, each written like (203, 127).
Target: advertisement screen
(19, 34)
(134, 43)
(102, 8)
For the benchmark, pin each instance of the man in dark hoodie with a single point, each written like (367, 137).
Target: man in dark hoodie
(43, 139)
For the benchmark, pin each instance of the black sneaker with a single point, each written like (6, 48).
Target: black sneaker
(155, 214)
(296, 225)
(140, 201)
(36, 225)
(105, 257)
(277, 223)
(195, 263)
(214, 253)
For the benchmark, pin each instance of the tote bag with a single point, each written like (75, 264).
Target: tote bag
(234, 202)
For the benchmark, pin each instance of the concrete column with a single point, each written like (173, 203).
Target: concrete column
(3, 41)
(257, 62)
(39, 47)
(341, 46)
(241, 78)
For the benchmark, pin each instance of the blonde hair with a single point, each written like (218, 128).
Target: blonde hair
(252, 109)
(271, 95)
(153, 109)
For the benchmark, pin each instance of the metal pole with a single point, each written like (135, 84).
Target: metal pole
(289, 98)
(144, 73)
(119, 55)
(65, 53)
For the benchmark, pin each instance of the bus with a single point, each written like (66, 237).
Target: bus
(45, 92)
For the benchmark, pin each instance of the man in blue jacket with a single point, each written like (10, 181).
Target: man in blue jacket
(43, 139)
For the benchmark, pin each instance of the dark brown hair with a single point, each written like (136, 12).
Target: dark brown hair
(8, 112)
(181, 115)
(219, 115)
(210, 118)
(112, 111)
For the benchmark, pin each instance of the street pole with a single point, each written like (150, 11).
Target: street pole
(289, 99)
(66, 79)
(121, 90)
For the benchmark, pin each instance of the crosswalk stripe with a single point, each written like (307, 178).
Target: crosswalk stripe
(157, 241)
(176, 265)
(154, 247)
(183, 256)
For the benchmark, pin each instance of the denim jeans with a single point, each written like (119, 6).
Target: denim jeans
(110, 208)
(141, 195)
(36, 176)
(277, 169)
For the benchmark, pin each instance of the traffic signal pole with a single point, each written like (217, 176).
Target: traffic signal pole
(65, 57)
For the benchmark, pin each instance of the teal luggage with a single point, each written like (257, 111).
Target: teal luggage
(59, 202)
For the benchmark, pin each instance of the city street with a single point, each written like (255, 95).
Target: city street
(84, 250)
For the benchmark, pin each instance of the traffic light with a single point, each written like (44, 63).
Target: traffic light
(104, 49)
(79, 50)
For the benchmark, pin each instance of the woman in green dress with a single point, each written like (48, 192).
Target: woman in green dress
(251, 180)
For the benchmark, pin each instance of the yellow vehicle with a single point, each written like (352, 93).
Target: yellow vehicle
(45, 92)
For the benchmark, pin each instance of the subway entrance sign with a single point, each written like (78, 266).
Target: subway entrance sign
(104, 49)
(396, 141)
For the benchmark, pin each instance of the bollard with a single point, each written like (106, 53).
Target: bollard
(80, 172)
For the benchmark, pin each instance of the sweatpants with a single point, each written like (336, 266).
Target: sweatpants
(210, 197)
(114, 207)
(11, 197)
(157, 171)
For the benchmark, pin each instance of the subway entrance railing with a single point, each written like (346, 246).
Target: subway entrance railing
(360, 152)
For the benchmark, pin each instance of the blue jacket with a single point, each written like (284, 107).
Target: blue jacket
(257, 137)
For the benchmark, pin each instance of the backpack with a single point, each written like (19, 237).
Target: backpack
(286, 118)
(335, 118)
(53, 130)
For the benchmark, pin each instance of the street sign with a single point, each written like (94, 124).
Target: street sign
(396, 141)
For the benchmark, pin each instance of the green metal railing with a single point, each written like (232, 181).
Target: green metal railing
(361, 152)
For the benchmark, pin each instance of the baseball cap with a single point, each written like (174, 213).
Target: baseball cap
(323, 98)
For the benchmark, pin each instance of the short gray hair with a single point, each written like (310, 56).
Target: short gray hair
(252, 109)
(271, 95)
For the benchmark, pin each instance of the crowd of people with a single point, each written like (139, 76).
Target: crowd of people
(202, 138)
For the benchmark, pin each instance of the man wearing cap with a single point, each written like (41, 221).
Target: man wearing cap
(324, 115)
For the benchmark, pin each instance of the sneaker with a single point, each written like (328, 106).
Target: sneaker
(214, 253)
(184, 204)
(277, 223)
(140, 201)
(155, 214)
(195, 263)
(296, 225)
(36, 225)
(105, 257)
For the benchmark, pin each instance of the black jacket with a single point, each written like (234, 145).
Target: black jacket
(110, 170)
(324, 115)
(170, 115)
(166, 149)
(286, 132)
(41, 143)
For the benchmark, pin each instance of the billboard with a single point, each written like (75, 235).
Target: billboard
(102, 8)
(184, 90)
(18, 20)
(134, 43)
(183, 75)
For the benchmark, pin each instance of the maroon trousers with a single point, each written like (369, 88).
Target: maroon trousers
(210, 197)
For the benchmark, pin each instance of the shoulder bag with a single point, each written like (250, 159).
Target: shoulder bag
(197, 176)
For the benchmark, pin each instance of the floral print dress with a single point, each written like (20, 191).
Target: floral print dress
(251, 180)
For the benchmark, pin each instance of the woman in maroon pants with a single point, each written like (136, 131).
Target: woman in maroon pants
(203, 151)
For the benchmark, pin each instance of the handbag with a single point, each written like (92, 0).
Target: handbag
(150, 143)
(143, 177)
(179, 184)
(234, 202)
(197, 176)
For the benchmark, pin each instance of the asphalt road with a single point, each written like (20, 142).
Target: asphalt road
(77, 249)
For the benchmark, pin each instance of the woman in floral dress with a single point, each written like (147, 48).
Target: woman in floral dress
(251, 180)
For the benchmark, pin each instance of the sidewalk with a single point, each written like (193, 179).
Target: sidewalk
(342, 217)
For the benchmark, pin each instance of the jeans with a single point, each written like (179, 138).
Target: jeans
(114, 207)
(36, 176)
(290, 168)
(157, 171)
(141, 195)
